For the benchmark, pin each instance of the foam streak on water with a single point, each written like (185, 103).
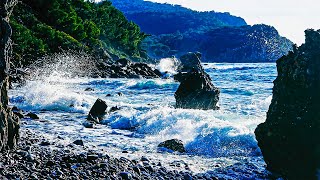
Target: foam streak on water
(148, 117)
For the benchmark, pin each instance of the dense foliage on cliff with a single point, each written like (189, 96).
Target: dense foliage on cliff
(44, 27)
(156, 18)
(258, 43)
(220, 37)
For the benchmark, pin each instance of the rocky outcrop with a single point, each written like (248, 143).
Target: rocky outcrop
(97, 111)
(174, 145)
(289, 139)
(9, 122)
(196, 90)
(124, 68)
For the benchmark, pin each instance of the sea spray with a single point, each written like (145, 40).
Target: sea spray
(147, 116)
(64, 65)
(49, 84)
(168, 65)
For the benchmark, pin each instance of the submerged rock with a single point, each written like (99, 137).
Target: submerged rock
(196, 90)
(173, 144)
(88, 124)
(33, 115)
(289, 139)
(89, 89)
(97, 111)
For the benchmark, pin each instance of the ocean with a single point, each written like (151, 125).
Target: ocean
(220, 142)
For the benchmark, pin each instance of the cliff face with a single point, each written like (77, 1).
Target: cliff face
(9, 123)
(289, 139)
(250, 44)
(156, 18)
(220, 37)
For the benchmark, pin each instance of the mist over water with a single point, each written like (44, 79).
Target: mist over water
(147, 115)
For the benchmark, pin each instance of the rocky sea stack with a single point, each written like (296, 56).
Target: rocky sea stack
(9, 122)
(196, 90)
(289, 139)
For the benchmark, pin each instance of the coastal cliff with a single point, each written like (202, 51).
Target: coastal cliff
(219, 37)
(9, 123)
(289, 137)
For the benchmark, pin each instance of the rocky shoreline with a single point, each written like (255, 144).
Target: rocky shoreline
(42, 157)
(38, 158)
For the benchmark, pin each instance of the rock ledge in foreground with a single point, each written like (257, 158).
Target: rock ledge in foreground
(289, 139)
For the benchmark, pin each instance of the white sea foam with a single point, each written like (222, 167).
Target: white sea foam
(205, 132)
(53, 82)
(168, 65)
(147, 110)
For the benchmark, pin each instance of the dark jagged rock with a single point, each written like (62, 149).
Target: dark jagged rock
(98, 110)
(196, 90)
(17, 76)
(157, 72)
(124, 68)
(9, 122)
(33, 115)
(17, 112)
(289, 139)
(123, 62)
(173, 144)
(78, 142)
(89, 89)
(190, 62)
(114, 108)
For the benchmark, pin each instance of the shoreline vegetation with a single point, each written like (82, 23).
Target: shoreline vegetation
(219, 37)
(46, 27)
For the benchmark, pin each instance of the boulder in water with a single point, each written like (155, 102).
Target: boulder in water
(89, 89)
(289, 139)
(78, 142)
(114, 108)
(190, 61)
(174, 145)
(196, 90)
(98, 110)
(88, 124)
(33, 115)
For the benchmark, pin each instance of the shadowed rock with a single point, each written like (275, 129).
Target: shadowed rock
(97, 111)
(173, 144)
(124, 68)
(196, 90)
(289, 139)
(9, 122)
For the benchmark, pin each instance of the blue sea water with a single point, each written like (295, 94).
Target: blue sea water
(220, 142)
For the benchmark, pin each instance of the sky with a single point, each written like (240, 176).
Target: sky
(289, 17)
